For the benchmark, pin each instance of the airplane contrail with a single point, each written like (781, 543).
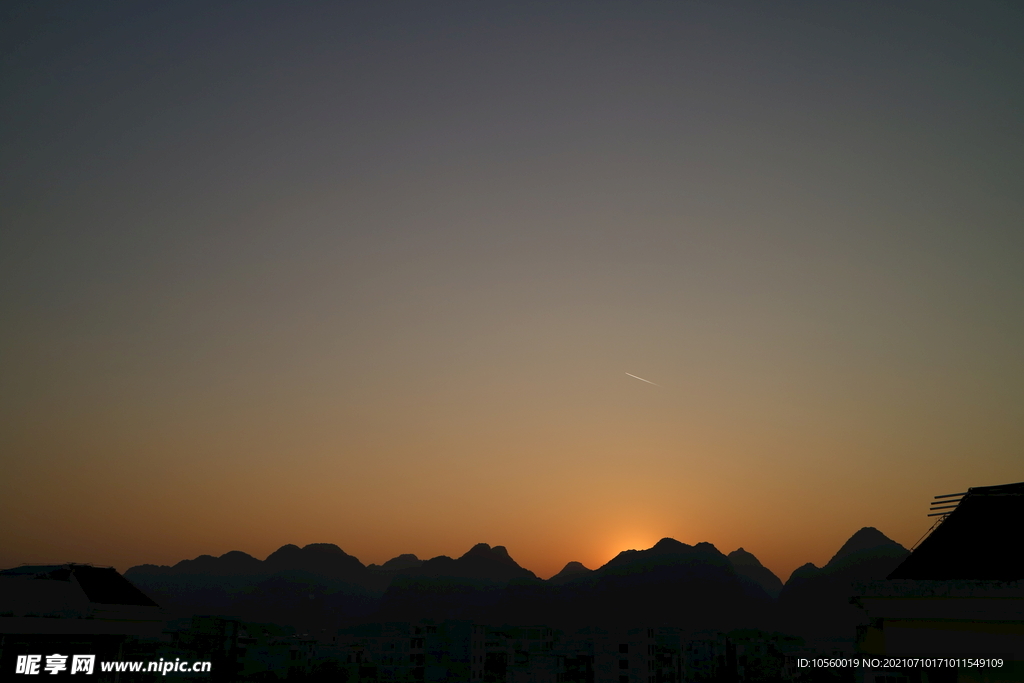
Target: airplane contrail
(643, 380)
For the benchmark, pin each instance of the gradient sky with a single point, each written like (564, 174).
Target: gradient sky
(373, 274)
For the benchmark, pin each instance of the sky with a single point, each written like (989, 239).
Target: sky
(374, 274)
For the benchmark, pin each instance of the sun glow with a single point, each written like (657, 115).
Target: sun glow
(627, 541)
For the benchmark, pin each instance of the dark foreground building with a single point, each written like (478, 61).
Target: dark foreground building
(71, 609)
(960, 593)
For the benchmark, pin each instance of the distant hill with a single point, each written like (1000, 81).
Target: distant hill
(671, 583)
(321, 559)
(481, 563)
(469, 587)
(570, 572)
(815, 601)
(679, 584)
(396, 564)
(867, 550)
(315, 584)
(749, 566)
(322, 585)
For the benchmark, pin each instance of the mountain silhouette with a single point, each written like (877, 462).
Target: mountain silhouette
(671, 583)
(867, 546)
(318, 584)
(481, 563)
(749, 566)
(396, 564)
(678, 584)
(469, 587)
(815, 601)
(322, 559)
(570, 572)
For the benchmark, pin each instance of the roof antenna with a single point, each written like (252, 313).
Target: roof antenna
(947, 502)
(935, 524)
(950, 502)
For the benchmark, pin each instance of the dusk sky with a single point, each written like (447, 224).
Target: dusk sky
(373, 274)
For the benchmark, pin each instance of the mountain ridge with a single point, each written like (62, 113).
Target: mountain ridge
(670, 582)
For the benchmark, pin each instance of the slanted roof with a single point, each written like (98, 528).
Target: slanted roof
(102, 585)
(106, 586)
(978, 540)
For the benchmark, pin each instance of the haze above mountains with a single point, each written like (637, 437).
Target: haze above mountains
(669, 583)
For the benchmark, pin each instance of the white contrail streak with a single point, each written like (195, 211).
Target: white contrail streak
(643, 380)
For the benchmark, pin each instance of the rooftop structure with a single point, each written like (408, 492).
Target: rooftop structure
(976, 540)
(74, 598)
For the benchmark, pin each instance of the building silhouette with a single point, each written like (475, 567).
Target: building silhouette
(960, 593)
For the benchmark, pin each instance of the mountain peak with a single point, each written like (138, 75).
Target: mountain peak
(570, 571)
(669, 545)
(236, 555)
(749, 566)
(315, 557)
(323, 549)
(803, 572)
(481, 562)
(482, 551)
(867, 538)
(478, 550)
(286, 549)
(741, 558)
(402, 561)
(397, 564)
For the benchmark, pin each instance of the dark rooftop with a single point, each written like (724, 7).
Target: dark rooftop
(978, 540)
(103, 585)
